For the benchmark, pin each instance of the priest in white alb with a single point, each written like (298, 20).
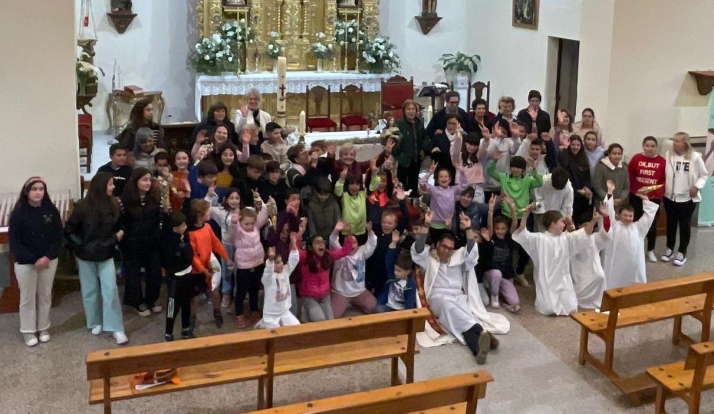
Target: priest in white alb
(250, 113)
(452, 290)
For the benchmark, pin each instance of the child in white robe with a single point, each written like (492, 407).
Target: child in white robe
(624, 262)
(276, 284)
(348, 287)
(551, 252)
(586, 267)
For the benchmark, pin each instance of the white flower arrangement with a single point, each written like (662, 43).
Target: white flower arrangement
(237, 31)
(321, 48)
(347, 33)
(275, 49)
(381, 55)
(213, 55)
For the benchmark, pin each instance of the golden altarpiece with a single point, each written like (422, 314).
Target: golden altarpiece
(297, 22)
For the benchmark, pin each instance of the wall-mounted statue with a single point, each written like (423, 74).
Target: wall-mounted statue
(428, 7)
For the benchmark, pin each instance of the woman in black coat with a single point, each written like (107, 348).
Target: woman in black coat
(141, 115)
(93, 228)
(141, 215)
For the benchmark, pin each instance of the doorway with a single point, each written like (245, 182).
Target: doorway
(566, 83)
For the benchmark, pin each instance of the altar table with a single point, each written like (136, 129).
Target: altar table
(297, 81)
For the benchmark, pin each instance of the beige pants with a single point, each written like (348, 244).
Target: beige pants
(35, 296)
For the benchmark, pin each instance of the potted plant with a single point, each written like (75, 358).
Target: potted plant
(460, 67)
(86, 71)
(321, 49)
(213, 56)
(381, 56)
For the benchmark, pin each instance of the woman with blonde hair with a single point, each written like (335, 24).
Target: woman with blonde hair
(685, 174)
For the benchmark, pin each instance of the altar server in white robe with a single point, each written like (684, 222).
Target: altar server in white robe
(586, 267)
(624, 262)
(250, 113)
(452, 290)
(551, 253)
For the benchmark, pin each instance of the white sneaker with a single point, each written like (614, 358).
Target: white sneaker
(156, 308)
(44, 336)
(494, 302)
(680, 260)
(30, 339)
(97, 330)
(120, 337)
(667, 256)
(651, 256)
(521, 279)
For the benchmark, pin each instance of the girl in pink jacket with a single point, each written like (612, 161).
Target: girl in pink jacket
(249, 259)
(315, 265)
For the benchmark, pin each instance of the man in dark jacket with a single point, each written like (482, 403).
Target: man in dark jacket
(438, 122)
(536, 120)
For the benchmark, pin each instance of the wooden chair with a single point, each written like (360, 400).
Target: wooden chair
(478, 88)
(685, 379)
(640, 304)
(454, 394)
(84, 127)
(320, 120)
(260, 354)
(353, 115)
(394, 92)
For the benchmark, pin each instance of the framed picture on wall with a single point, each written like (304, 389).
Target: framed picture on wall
(525, 13)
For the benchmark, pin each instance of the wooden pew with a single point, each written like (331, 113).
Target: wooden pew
(347, 341)
(455, 394)
(260, 354)
(685, 379)
(201, 362)
(640, 304)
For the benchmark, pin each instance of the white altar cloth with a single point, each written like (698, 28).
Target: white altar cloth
(297, 81)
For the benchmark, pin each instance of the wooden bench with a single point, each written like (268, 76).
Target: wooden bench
(260, 354)
(455, 394)
(640, 304)
(685, 379)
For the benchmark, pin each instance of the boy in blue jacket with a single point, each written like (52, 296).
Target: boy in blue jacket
(399, 292)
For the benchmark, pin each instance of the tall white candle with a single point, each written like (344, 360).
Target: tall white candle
(282, 86)
(302, 127)
(429, 114)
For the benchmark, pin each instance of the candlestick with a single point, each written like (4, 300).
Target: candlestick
(302, 123)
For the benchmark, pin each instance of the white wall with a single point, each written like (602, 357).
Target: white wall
(635, 56)
(152, 54)
(37, 103)
(515, 59)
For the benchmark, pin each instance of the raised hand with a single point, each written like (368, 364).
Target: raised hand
(212, 191)
(596, 216)
(373, 165)
(390, 145)
(531, 162)
(244, 110)
(643, 197)
(399, 192)
(339, 226)
(492, 202)
(485, 132)
(603, 210)
(256, 194)
(395, 236)
(343, 174)
(465, 221)
(331, 150)
(533, 112)
(368, 226)
(497, 155)
(235, 217)
(485, 234)
(428, 216)
(498, 131)
(610, 186)
(432, 167)
(271, 251)
(303, 225)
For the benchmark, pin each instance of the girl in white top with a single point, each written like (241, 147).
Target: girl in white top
(221, 214)
(276, 286)
(348, 276)
(685, 174)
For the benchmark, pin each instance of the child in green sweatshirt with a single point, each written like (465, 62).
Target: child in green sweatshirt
(516, 185)
(354, 203)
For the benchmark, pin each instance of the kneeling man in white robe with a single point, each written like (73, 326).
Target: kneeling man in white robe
(551, 253)
(452, 291)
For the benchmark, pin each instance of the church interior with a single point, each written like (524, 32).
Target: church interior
(339, 72)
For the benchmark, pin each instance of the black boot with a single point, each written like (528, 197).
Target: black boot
(471, 338)
(218, 318)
